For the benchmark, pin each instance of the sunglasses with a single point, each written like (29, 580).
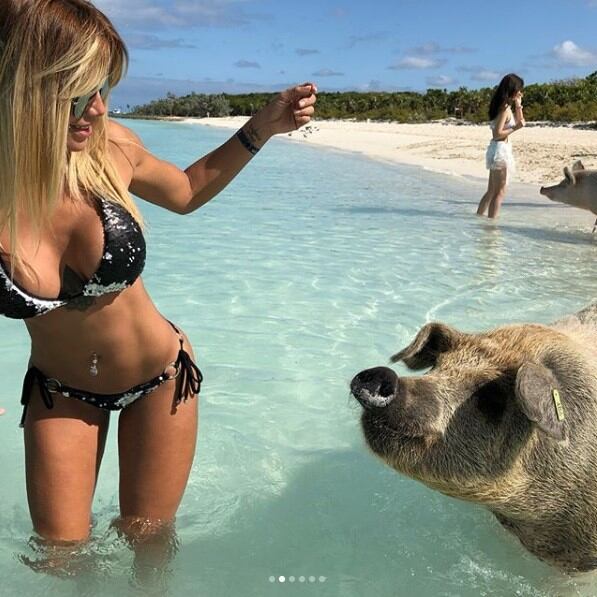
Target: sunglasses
(80, 104)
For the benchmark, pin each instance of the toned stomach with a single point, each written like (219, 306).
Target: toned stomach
(132, 339)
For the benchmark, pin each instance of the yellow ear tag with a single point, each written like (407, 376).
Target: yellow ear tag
(558, 404)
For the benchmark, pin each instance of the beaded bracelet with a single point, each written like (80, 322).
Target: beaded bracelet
(246, 143)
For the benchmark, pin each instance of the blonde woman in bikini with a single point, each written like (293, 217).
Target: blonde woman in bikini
(499, 158)
(71, 256)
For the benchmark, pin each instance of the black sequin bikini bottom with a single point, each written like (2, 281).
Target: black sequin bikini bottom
(190, 384)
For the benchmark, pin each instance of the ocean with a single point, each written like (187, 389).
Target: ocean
(311, 266)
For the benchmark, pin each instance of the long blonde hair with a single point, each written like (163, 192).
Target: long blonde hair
(50, 52)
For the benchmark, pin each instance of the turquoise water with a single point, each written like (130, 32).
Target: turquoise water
(309, 267)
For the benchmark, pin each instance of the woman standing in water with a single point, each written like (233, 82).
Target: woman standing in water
(499, 158)
(71, 256)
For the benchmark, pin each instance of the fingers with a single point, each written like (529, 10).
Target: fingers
(306, 89)
(305, 96)
(306, 102)
(301, 100)
(308, 111)
(303, 116)
(301, 121)
(301, 92)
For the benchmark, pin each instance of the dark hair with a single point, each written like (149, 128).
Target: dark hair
(508, 86)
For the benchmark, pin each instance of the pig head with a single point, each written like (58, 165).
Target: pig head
(578, 188)
(505, 418)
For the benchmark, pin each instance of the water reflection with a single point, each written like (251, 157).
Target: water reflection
(94, 564)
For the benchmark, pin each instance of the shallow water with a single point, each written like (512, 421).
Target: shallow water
(311, 266)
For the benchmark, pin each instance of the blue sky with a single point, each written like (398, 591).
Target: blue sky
(236, 46)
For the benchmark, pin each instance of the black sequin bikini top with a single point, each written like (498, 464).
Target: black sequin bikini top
(122, 263)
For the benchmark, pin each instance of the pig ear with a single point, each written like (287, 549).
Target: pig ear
(578, 165)
(538, 395)
(433, 339)
(569, 175)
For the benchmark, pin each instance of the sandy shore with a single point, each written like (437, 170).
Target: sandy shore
(541, 152)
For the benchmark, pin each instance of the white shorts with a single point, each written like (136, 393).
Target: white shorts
(499, 156)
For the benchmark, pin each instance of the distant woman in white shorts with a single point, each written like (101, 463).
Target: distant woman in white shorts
(498, 158)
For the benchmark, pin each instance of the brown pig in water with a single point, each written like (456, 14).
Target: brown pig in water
(505, 418)
(579, 188)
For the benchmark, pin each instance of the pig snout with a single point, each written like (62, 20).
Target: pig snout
(374, 388)
(547, 192)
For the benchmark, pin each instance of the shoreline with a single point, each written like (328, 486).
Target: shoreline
(541, 150)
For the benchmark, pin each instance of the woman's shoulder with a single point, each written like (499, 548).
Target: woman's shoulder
(119, 133)
(507, 110)
(125, 139)
(503, 113)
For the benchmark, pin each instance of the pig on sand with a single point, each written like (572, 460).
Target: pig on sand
(505, 418)
(579, 188)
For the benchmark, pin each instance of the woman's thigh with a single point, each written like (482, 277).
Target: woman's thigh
(497, 181)
(156, 445)
(63, 451)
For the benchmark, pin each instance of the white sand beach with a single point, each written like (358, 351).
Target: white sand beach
(541, 151)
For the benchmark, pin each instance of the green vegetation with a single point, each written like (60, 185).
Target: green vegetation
(195, 104)
(560, 101)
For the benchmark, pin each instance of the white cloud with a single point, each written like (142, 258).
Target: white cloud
(486, 76)
(568, 53)
(417, 63)
(327, 72)
(440, 81)
(434, 48)
(373, 85)
(145, 41)
(182, 13)
(367, 38)
(246, 64)
(482, 74)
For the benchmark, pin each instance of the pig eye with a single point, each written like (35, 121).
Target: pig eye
(491, 400)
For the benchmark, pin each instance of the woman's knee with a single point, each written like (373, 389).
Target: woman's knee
(58, 521)
(138, 530)
(60, 531)
(62, 456)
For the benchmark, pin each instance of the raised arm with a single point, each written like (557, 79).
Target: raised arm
(181, 191)
(500, 131)
(518, 116)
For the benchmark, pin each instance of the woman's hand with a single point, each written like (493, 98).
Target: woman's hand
(518, 100)
(292, 109)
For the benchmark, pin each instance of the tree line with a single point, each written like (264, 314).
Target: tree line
(570, 100)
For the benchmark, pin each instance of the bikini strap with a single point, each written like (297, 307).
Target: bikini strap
(180, 338)
(34, 375)
(190, 375)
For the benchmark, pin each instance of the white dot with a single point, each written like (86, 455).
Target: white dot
(322, 579)
(272, 579)
(301, 579)
(282, 579)
(291, 579)
(311, 579)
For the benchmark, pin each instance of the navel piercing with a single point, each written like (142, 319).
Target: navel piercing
(93, 366)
